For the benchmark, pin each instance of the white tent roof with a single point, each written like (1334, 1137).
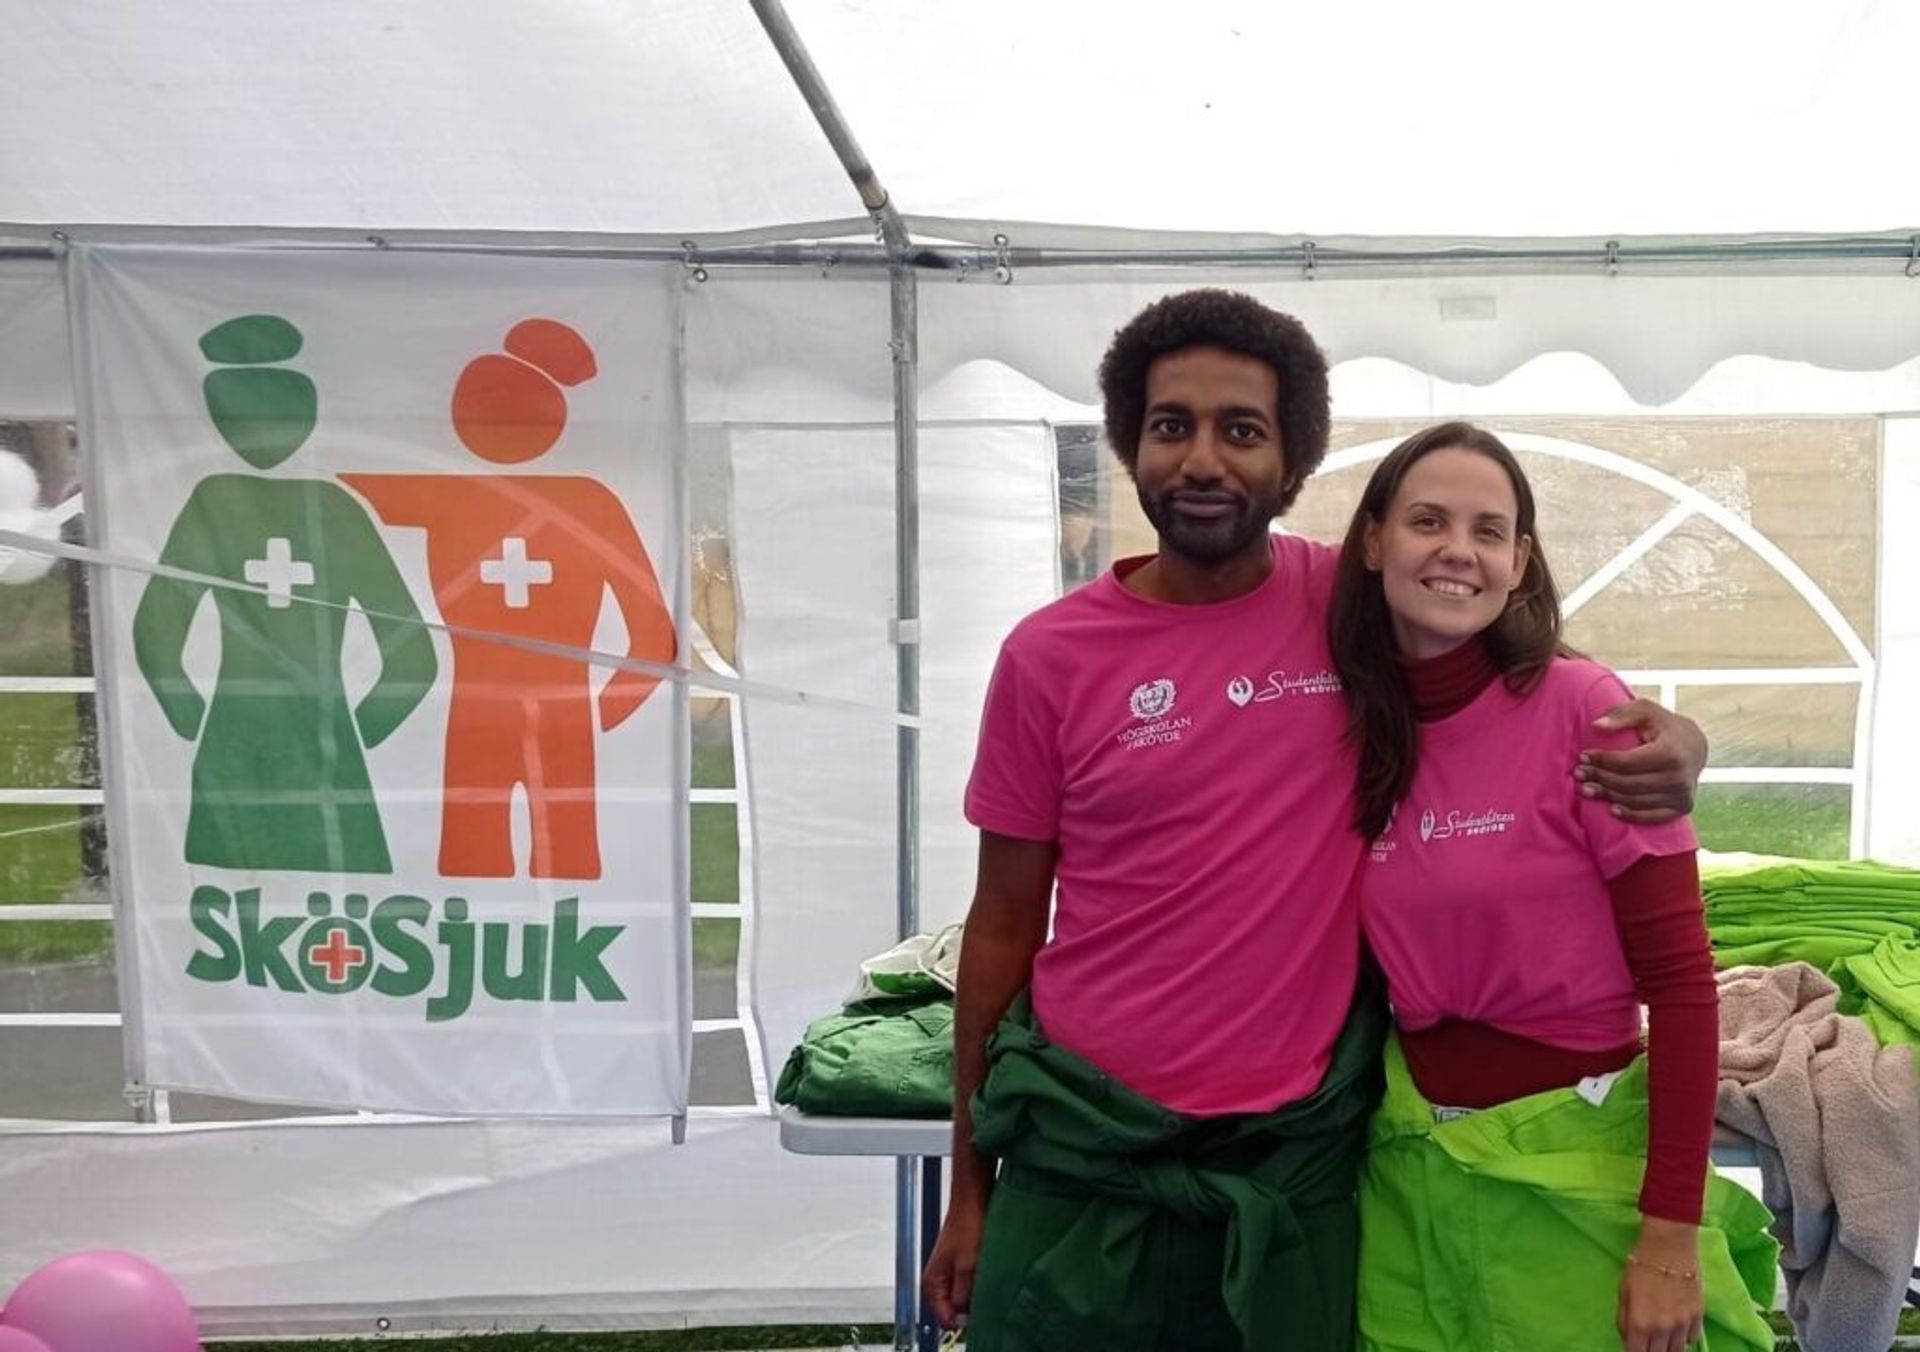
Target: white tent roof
(1382, 118)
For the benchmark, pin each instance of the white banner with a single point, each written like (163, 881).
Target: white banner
(361, 860)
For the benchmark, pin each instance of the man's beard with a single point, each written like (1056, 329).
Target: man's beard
(1213, 541)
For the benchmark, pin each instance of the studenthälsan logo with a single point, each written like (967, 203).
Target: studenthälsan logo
(1487, 822)
(1240, 691)
(1152, 699)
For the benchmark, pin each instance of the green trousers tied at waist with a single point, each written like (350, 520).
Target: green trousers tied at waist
(1506, 1230)
(1122, 1226)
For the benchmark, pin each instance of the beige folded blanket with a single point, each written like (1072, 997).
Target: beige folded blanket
(1835, 1121)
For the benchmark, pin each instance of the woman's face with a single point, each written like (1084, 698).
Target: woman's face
(1447, 551)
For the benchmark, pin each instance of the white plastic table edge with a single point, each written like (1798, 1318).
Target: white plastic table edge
(808, 1134)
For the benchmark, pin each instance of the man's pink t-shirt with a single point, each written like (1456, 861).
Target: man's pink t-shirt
(1486, 896)
(1188, 760)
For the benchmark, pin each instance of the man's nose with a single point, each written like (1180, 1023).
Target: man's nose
(1203, 461)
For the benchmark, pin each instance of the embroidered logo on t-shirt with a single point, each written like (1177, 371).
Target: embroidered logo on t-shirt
(1281, 684)
(1491, 822)
(1152, 699)
(1381, 847)
(1151, 702)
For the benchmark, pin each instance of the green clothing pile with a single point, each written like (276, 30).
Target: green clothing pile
(875, 1058)
(1507, 1229)
(1119, 1225)
(1855, 920)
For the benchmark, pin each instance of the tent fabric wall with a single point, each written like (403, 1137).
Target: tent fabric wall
(323, 1226)
(766, 344)
(813, 522)
(36, 378)
(674, 115)
(813, 553)
(1249, 116)
(669, 116)
(1894, 797)
(1658, 336)
(989, 553)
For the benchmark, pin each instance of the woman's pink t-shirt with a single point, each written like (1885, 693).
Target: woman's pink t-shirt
(1486, 896)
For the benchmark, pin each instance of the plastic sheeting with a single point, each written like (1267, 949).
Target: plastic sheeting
(813, 525)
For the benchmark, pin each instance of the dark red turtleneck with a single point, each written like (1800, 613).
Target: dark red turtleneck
(1657, 911)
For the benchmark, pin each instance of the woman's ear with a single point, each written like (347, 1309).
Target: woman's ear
(1522, 556)
(1370, 546)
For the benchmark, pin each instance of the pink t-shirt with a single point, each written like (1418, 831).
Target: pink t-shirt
(1486, 896)
(1188, 760)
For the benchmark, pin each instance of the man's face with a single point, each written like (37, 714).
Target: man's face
(1211, 472)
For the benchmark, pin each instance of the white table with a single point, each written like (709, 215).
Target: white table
(911, 1141)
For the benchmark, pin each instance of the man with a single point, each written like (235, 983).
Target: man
(1177, 1103)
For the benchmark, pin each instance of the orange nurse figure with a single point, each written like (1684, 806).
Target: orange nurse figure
(532, 556)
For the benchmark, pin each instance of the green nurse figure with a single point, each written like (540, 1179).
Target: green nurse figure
(279, 780)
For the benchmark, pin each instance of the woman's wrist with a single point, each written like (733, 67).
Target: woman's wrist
(1671, 1248)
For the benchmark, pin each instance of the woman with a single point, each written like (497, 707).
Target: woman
(1520, 927)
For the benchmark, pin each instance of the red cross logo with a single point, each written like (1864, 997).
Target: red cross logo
(338, 956)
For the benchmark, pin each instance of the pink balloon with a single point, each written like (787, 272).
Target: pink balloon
(19, 1340)
(102, 1301)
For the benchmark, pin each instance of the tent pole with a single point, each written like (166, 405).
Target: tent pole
(904, 345)
(965, 261)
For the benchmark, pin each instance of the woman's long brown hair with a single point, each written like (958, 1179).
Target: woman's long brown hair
(1381, 723)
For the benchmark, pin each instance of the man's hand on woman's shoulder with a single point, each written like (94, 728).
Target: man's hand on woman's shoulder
(1655, 781)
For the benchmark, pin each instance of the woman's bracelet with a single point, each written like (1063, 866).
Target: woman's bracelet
(1678, 1274)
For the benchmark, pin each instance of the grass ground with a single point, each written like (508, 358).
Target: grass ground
(677, 1340)
(721, 1340)
(1807, 821)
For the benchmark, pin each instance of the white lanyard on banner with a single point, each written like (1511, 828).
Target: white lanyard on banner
(697, 680)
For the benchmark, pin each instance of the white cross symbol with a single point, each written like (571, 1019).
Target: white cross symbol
(279, 572)
(514, 572)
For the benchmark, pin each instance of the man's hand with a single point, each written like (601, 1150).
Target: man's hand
(947, 1284)
(1006, 925)
(1655, 781)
